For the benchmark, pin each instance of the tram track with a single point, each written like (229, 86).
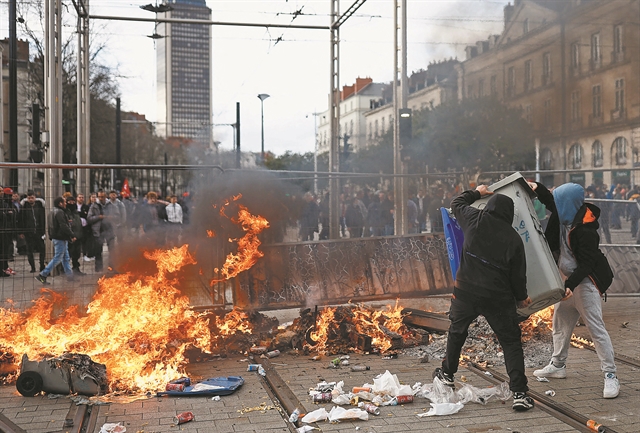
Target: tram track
(553, 408)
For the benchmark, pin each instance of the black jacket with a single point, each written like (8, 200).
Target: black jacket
(59, 226)
(493, 263)
(584, 242)
(31, 218)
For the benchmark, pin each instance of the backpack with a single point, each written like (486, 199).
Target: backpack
(602, 275)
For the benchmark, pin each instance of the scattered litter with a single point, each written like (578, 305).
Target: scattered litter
(488, 374)
(550, 393)
(388, 383)
(391, 356)
(316, 415)
(369, 407)
(305, 429)
(253, 367)
(285, 325)
(442, 409)
(258, 350)
(339, 413)
(624, 324)
(273, 354)
(183, 417)
(113, 428)
(293, 418)
(206, 387)
(542, 379)
(360, 368)
(463, 378)
(215, 398)
(263, 408)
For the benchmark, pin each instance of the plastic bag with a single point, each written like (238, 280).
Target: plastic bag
(315, 416)
(305, 429)
(113, 428)
(437, 392)
(339, 413)
(389, 384)
(442, 409)
(482, 395)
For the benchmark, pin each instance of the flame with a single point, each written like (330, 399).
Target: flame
(210, 233)
(321, 334)
(580, 342)
(234, 321)
(248, 252)
(538, 322)
(369, 322)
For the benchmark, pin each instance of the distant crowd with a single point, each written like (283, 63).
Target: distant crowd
(365, 212)
(84, 227)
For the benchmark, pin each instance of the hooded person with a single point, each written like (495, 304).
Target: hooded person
(491, 281)
(572, 234)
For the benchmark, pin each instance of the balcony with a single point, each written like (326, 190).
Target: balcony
(595, 120)
(618, 115)
(617, 57)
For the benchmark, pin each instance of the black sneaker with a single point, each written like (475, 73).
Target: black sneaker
(445, 378)
(522, 402)
(41, 279)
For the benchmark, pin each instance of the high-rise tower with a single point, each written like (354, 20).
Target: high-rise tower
(184, 73)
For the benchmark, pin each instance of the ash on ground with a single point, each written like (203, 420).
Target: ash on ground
(482, 345)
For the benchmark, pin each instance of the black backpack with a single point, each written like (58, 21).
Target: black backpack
(602, 275)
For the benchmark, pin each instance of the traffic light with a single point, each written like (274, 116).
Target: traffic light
(405, 132)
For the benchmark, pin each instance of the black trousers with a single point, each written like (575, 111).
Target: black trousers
(503, 319)
(35, 244)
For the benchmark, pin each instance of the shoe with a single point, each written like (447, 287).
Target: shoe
(33, 271)
(9, 271)
(445, 378)
(522, 402)
(41, 279)
(611, 386)
(78, 272)
(552, 371)
(88, 259)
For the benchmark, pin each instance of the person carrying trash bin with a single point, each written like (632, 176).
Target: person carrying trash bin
(491, 281)
(572, 233)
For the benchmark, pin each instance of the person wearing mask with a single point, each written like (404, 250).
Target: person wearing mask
(572, 234)
(492, 282)
(75, 248)
(32, 221)
(60, 234)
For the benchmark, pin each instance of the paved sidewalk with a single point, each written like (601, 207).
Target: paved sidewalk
(581, 391)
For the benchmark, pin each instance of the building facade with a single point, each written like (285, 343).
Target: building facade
(355, 101)
(573, 67)
(184, 74)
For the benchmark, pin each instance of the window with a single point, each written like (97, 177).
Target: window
(575, 106)
(528, 76)
(525, 26)
(619, 96)
(597, 153)
(620, 150)
(546, 160)
(575, 57)
(494, 85)
(596, 101)
(376, 128)
(481, 88)
(470, 91)
(596, 56)
(381, 125)
(546, 68)
(511, 81)
(617, 39)
(575, 156)
(351, 127)
(528, 114)
(547, 113)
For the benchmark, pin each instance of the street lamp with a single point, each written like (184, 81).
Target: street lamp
(262, 97)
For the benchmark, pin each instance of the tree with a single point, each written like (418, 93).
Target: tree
(478, 134)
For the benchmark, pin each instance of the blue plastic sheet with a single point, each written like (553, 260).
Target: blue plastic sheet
(455, 239)
(224, 386)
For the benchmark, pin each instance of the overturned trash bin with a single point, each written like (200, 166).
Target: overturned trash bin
(70, 373)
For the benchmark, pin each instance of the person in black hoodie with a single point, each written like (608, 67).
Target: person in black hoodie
(572, 234)
(491, 281)
(31, 220)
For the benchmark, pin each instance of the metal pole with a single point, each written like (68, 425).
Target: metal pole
(334, 118)
(13, 94)
(53, 93)
(537, 159)
(315, 153)
(237, 131)
(399, 101)
(262, 127)
(118, 138)
(83, 99)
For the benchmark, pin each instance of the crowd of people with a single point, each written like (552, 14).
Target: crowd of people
(78, 229)
(365, 212)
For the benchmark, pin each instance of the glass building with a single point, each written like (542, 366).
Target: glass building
(184, 73)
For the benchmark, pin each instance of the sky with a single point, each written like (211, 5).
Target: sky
(291, 65)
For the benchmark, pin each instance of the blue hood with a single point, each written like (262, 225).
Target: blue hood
(569, 198)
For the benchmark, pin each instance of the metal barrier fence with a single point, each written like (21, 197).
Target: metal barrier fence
(292, 272)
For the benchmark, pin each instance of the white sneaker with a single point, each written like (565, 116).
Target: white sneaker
(552, 371)
(611, 386)
(88, 259)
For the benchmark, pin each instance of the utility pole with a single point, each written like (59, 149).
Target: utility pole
(334, 123)
(83, 98)
(400, 97)
(118, 140)
(13, 94)
(53, 94)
